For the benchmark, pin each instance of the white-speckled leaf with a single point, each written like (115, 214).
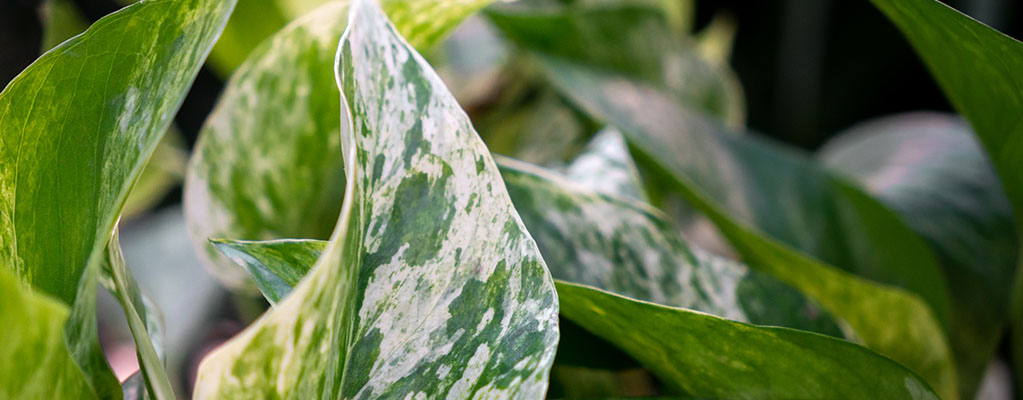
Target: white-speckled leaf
(268, 161)
(606, 166)
(430, 285)
(626, 247)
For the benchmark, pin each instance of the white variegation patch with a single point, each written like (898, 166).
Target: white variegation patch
(431, 285)
(606, 166)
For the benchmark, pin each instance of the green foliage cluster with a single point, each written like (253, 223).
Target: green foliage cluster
(599, 224)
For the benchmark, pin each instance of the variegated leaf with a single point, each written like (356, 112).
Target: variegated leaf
(76, 129)
(275, 265)
(606, 166)
(268, 161)
(626, 247)
(430, 285)
(786, 218)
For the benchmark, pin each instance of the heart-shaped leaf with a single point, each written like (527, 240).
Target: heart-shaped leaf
(430, 284)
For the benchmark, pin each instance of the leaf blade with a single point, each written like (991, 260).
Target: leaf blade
(702, 348)
(78, 125)
(721, 174)
(378, 310)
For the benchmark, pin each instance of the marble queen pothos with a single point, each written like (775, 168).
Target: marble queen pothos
(430, 284)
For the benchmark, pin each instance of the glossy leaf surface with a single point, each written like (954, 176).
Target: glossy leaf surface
(626, 247)
(430, 283)
(707, 356)
(76, 128)
(786, 218)
(929, 169)
(981, 72)
(268, 161)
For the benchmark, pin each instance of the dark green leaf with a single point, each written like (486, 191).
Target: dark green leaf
(787, 218)
(707, 356)
(930, 170)
(981, 72)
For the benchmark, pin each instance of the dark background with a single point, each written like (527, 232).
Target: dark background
(809, 68)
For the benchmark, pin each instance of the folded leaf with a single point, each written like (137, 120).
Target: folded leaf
(930, 170)
(268, 161)
(786, 218)
(276, 265)
(76, 128)
(430, 285)
(706, 356)
(143, 320)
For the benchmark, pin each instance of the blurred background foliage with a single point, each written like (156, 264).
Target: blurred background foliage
(805, 71)
(808, 68)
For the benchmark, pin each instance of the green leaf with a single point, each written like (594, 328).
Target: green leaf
(164, 171)
(143, 320)
(76, 128)
(276, 265)
(251, 22)
(268, 161)
(430, 283)
(930, 170)
(631, 39)
(707, 356)
(39, 321)
(786, 218)
(981, 72)
(626, 247)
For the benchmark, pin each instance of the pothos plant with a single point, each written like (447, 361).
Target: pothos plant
(649, 246)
